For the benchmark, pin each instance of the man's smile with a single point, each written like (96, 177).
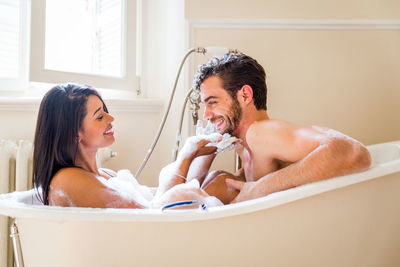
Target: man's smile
(218, 122)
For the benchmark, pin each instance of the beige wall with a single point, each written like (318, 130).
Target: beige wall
(326, 62)
(305, 9)
(345, 79)
(16, 125)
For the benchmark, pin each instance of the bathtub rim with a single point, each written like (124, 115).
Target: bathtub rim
(9, 207)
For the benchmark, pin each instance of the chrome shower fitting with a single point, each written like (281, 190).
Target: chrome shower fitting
(217, 50)
(194, 99)
(193, 96)
(14, 234)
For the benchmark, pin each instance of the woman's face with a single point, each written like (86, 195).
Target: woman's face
(96, 129)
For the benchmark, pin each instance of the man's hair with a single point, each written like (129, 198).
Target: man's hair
(236, 70)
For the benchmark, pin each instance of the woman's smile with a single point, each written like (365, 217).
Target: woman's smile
(110, 131)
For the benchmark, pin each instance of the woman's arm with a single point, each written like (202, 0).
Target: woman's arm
(177, 171)
(173, 174)
(200, 167)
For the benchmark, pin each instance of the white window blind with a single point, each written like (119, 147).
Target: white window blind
(9, 36)
(85, 36)
(13, 44)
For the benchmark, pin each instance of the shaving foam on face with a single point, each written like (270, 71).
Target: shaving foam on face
(226, 143)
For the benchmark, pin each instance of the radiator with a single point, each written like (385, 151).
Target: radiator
(16, 175)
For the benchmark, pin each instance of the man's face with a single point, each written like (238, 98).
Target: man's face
(223, 111)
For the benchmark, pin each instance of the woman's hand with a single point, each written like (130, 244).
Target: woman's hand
(176, 172)
(196, 146)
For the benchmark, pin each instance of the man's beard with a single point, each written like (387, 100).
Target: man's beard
(234, 117)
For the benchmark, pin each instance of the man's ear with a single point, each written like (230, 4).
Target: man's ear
(245, 94)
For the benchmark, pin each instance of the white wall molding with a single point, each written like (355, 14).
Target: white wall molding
(19, 104)
(282, 24)
(115, 105)
(148, 105)
(286, 24)
(296, 24)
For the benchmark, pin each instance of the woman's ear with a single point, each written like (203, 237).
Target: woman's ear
(79, 137)
(245, 94)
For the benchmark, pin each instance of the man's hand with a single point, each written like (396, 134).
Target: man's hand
(248, 190)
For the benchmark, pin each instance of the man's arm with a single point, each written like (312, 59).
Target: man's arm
(215, 185)
(316, 154)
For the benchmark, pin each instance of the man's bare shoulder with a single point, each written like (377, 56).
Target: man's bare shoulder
(264, 128)
(267, 135)
(281, 139)
(284, 130)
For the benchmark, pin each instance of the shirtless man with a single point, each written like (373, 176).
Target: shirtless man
(275, 154)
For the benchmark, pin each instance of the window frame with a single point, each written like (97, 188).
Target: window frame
(38, 73)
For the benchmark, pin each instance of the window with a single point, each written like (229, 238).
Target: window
(14, 18)
(85, 36)
(85, 41)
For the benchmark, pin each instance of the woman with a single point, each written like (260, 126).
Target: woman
(73, 123)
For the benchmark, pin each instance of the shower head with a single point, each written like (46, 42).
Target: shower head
(216, 50)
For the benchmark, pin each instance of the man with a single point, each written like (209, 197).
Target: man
(276, 155)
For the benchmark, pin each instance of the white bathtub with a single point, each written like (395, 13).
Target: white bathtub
(352, 220)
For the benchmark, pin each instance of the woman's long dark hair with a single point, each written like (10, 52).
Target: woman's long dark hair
(60, 118)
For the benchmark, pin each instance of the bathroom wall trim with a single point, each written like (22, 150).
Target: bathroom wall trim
(115, 105)
(297, 24)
